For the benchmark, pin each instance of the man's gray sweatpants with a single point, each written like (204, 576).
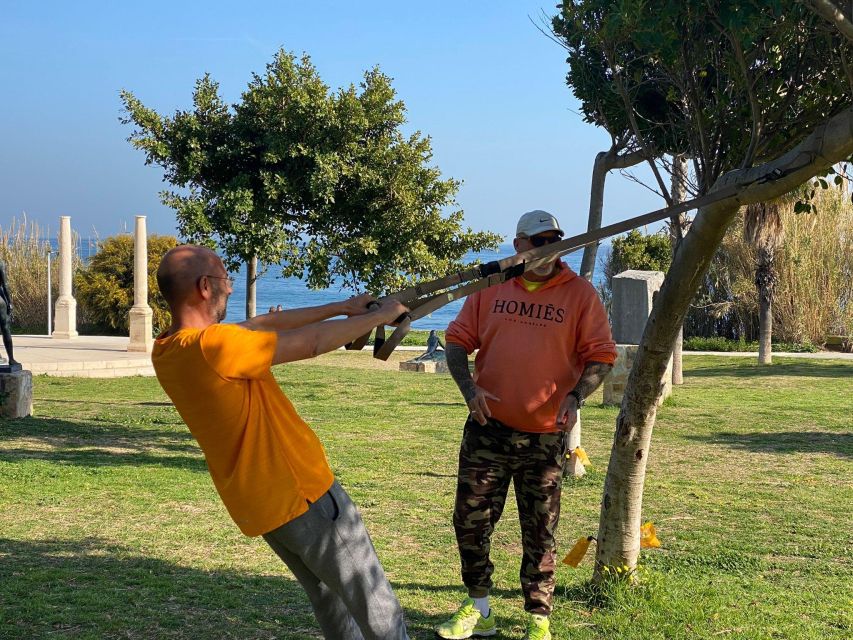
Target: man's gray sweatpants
(331, 554)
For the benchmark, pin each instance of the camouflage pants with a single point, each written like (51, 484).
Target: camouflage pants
(491, 456)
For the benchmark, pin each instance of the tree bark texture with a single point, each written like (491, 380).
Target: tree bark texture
(251, 287)
(678, 227)
(765, 283)
(621, 505)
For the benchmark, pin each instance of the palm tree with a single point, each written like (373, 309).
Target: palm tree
(764, 231)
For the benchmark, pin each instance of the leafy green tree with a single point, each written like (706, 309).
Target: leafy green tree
(104, 286)
(323, 183)
(757, 94)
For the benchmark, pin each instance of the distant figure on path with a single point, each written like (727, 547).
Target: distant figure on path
(6, 315)
(268, 466)
(544, 345)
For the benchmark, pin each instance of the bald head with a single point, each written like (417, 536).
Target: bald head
(180, 270)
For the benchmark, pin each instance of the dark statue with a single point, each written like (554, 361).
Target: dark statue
(433, 344)
(6, 323)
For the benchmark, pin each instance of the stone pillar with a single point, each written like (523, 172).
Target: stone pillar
(141, 316)
(65, 317)
(16, 394)
(633, 297)
(574, 467)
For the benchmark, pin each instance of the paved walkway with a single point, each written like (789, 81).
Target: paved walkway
(83, 357)
(108, 357)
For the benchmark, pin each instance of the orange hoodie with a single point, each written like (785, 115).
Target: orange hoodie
(533, 346)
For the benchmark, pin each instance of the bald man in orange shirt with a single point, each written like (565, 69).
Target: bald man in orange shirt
(267, 465)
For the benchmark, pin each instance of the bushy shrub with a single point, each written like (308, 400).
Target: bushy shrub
(105, 286)
(718, 343)
(634, 250)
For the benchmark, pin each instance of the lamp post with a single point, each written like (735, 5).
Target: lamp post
(49, 301)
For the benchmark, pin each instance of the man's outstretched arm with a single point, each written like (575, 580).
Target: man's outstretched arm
(295, 318)
(320, 337)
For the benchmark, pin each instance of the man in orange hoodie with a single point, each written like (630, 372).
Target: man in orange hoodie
(544, 345)
(267, 465)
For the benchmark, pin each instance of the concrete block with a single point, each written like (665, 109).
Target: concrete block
(424, 366)
(633, 296)
(16, 394)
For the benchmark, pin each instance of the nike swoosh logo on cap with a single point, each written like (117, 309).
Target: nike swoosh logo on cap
(544, 219)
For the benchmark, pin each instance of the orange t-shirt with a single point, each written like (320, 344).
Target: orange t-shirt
(265, 461)
(533, 345)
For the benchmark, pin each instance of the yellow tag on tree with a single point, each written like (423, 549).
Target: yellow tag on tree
(649, 537)
(578, 551)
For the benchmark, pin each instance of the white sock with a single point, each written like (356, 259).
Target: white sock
(482, 605)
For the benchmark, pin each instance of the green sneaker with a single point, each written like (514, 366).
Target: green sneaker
(467, 622)
(537, 628)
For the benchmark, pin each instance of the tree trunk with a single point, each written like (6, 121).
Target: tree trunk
(678, 357)
(605, 161)
(251, 286)
(621, 505)
(765, 329)
(678, 227)
(596, 206)
(765, 282)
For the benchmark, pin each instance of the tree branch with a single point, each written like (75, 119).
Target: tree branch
(830, 12)
(757, 119)
(629, 109)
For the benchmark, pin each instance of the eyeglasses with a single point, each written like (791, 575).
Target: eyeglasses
(228, 278)
(541, 241)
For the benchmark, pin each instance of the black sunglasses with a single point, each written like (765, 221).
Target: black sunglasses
(541, 241)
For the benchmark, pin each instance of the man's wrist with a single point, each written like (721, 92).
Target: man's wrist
(579, 399)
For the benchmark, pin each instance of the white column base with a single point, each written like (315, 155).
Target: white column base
(65, 319)
(141, 329)
(574, 467)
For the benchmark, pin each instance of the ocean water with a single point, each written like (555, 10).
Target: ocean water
(292, 293)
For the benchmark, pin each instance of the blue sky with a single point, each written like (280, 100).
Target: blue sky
(478, 77)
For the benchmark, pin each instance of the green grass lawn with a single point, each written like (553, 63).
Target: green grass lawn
(110, 526)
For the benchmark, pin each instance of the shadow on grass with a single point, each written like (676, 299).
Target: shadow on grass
(88, 587)
(740, 368)
(96, 589)
(96, 445)
(113, 403)
(839, 444)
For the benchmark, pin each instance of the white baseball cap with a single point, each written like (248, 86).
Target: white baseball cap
(536, 221)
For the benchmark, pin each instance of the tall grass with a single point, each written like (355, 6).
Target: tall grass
(24, 248)
(814, 290)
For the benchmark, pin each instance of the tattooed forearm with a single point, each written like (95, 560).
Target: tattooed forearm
(457, 364)
(592, 376)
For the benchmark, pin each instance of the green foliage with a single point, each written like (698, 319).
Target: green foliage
(634, 250)
(718, 343)
(324, 184)
(104, 287)
(727, 82)
(814, 288)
